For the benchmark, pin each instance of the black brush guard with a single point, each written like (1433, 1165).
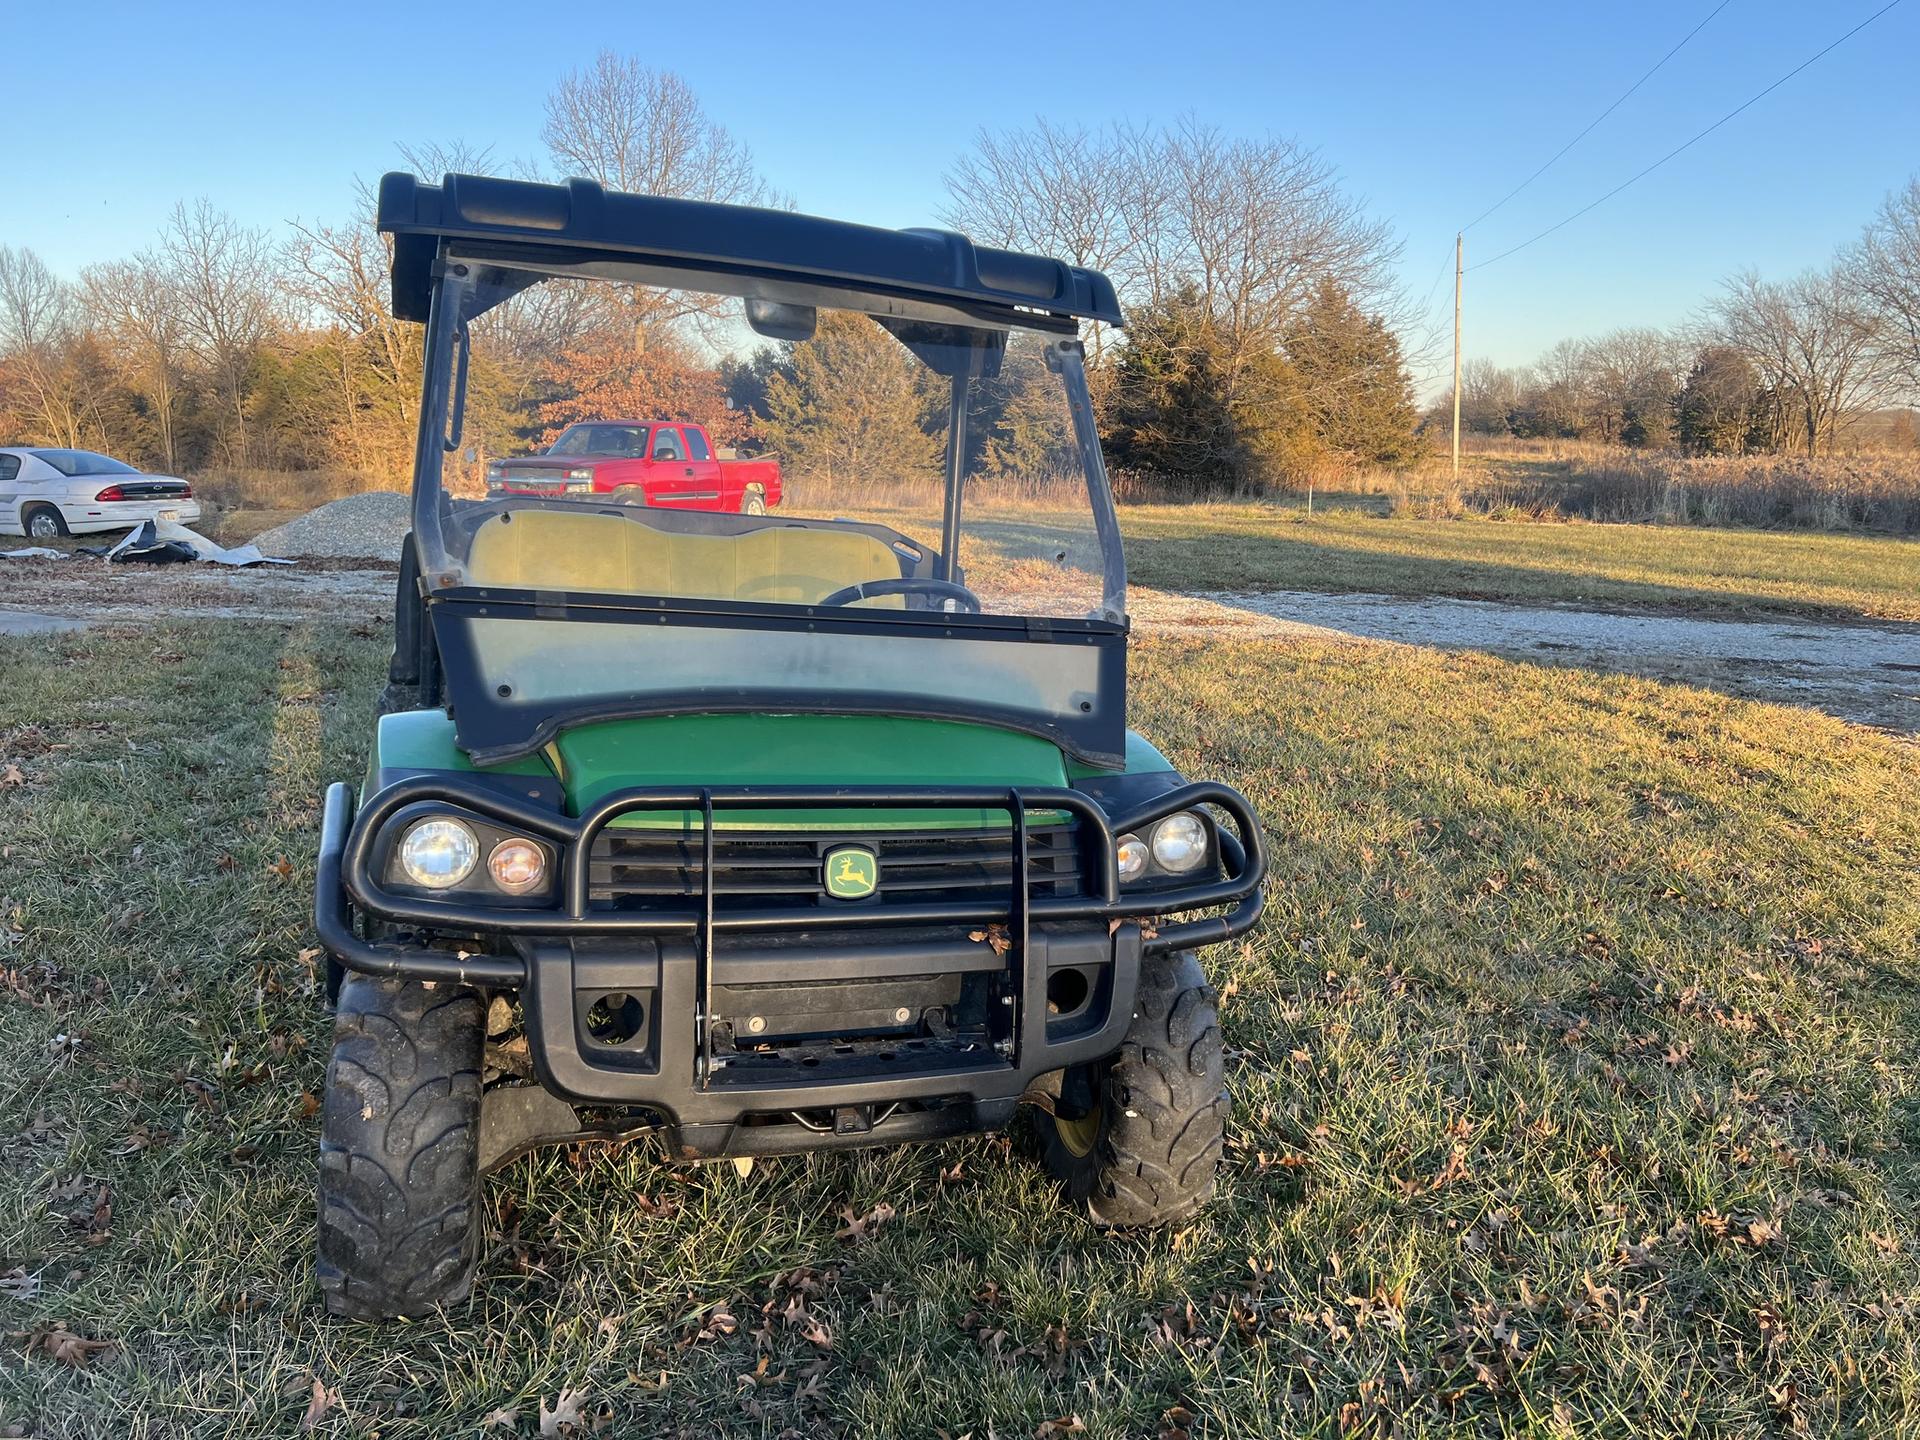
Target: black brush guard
(680, 952)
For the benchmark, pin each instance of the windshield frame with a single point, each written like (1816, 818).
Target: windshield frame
(493, 725)
(469, 286)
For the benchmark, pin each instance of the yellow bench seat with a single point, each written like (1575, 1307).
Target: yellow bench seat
(615, 555)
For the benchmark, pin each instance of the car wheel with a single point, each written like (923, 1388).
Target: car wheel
(399, 1148)
(1136, 1138)
(45, 523)
(630, 495)
(753, 503)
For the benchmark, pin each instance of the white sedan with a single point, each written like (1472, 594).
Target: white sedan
(47, 493)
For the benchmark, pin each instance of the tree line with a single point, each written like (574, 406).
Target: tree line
(1783, 366)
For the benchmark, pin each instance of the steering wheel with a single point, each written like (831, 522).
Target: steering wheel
(877, 589)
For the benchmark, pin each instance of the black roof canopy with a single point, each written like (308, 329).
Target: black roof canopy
(581, 227)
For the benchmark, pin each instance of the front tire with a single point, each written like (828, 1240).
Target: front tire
(1136, 1138)
(399, 1223)
(44, 522)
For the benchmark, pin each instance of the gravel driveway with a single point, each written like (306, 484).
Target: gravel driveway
(1868, 672)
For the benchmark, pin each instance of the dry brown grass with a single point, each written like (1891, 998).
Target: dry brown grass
(1548, 480)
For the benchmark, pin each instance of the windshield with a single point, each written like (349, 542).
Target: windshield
(895, 509)
(84, 462)
(616, 440)
(814, 466)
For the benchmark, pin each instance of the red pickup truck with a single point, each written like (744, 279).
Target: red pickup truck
(668, 463)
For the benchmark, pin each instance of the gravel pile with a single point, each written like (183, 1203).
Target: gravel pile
(359, 527)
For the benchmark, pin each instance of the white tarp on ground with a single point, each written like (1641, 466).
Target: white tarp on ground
(199, 544)
(150, 533)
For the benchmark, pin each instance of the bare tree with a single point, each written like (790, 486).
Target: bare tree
(35, 307)
(1813, 340)
(1253, 226)
(1560, 394)
(1488, 397)
(338, 276)
(1064, 192)
(1631, 377)
(221, 271)
(642, 130)
(1093, 198)
(1260, 223)
(139, 310)
(43, 377)
(1886, 266)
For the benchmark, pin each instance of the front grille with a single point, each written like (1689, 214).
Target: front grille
(632, 868)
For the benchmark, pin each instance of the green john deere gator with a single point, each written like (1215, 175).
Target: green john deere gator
(775, 829)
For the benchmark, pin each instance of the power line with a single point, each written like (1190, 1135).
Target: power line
(1624, 96)
(1689, 144)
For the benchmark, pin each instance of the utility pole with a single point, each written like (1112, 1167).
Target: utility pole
(1459, 253)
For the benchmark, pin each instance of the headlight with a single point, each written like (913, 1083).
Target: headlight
(1130, 856)
(1180, 842)
(579, 474)
(439, 853)
(517, 865)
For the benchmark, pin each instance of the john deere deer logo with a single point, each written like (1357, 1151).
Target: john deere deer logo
(851, 873)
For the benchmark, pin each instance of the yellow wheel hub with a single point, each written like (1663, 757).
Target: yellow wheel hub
(1081, 1135)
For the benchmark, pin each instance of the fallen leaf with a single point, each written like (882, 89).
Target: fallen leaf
(68, 1349)
(565, 1411)
(19, 1283)
(11, 776)
(503, 1417)
(862, 1228)
(1053, 1429)
(318, 1405)
(282, 867)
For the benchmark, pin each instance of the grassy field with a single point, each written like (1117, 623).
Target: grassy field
(1715, 572)
(1576, 1080)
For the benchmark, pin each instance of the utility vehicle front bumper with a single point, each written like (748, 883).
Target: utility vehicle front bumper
(691, 969)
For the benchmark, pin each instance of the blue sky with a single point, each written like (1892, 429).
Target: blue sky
(1430, 113)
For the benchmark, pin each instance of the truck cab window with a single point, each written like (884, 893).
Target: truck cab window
(666, 445)
(697, 445)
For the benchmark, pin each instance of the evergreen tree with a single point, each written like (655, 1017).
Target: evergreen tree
(1019, 424)
(1191, 406)
(1721, 404)
(852, 404)
(1353, 385)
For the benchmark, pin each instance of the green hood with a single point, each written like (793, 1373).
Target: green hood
(593, 760)
(802, 750)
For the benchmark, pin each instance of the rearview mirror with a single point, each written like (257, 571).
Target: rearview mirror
(778, 321)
